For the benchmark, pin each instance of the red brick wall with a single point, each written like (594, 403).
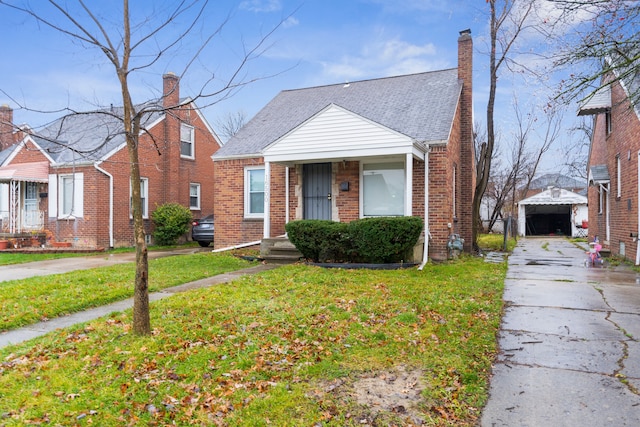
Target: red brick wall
(7, 137)
(347, 202)
(440, 202)
(168, 180)
(85, 231)
(622, 142)
(231, 228)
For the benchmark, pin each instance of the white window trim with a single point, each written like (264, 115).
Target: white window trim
(197, 186)
(247, 198)
(144, 183)
(192, 142)
(78, 196)
(379, 161)
(455, 187)
(618, 177)
(600, 200)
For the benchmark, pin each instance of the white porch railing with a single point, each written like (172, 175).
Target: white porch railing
(25, 221)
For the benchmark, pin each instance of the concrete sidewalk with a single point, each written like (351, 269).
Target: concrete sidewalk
(71, 264)
(569, 341)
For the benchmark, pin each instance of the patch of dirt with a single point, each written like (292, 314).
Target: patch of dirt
(383, 396)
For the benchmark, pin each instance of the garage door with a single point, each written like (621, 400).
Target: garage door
(545, 220)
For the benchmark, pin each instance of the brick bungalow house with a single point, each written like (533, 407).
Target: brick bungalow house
(72, 178)
(369, 148)
(614, 165)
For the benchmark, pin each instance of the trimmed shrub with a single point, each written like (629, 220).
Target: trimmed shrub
(317, 239)
(384, 240)
(171, 221)
(369, 240)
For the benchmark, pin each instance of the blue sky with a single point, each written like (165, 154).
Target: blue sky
(318, 42)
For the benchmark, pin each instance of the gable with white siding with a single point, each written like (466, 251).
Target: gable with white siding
(337, 134)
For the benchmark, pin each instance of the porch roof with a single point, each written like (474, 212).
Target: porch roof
(599, 174)
(27, 172)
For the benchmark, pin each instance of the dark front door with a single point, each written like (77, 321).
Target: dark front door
(316, 190)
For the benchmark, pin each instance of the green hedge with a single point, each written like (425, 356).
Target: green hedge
(171, 221)
(368, 240)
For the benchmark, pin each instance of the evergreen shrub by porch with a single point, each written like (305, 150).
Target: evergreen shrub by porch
(171, 221)
(368, 240)
(319, 239)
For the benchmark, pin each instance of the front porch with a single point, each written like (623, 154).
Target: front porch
(23, 195)
(23, 240)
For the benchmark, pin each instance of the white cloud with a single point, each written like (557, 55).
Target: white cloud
(385, 58)
(290, 22)
(261, 5)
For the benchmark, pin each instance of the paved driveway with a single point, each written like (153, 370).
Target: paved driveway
(569, 342)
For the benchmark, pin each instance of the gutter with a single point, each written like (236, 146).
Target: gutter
(95, 165)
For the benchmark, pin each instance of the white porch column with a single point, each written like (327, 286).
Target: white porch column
(286, 195)
(408, 196)
(267, 200)
(15, 207)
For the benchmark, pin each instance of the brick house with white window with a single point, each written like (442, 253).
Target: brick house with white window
(396, 146)
(614, 164)
(72, 178)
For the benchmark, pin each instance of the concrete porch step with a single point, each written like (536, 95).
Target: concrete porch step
(279, 250)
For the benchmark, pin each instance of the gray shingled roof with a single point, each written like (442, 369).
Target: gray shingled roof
(4, 154)
(421, 106)
(628, 72)
(599, 173)
(555, 180)
(88, 137)
(598, 102)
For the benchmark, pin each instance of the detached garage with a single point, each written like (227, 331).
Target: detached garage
(554, 211)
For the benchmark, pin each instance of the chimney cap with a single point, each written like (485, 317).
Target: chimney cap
(465, 32)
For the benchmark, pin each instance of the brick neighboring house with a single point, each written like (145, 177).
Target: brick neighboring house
(614, 165)
(72, 178)
(354, 150)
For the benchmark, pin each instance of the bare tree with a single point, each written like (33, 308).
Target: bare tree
(601, 39)
(510, 180)
(577, 148)
(231, 123)
(132, 48)
(508, 19)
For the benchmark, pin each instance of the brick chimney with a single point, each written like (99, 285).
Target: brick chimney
(171, 151)
(467, 152)
(170, 90)
(6, 127)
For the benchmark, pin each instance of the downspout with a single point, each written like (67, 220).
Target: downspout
(425, 252)
(241, 245)
(95, 165)
(638, 201)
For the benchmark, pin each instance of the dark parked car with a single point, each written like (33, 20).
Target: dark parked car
(202, 230)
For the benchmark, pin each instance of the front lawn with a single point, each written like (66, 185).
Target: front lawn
(295, 346)
(27, 301)
(11, 257)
